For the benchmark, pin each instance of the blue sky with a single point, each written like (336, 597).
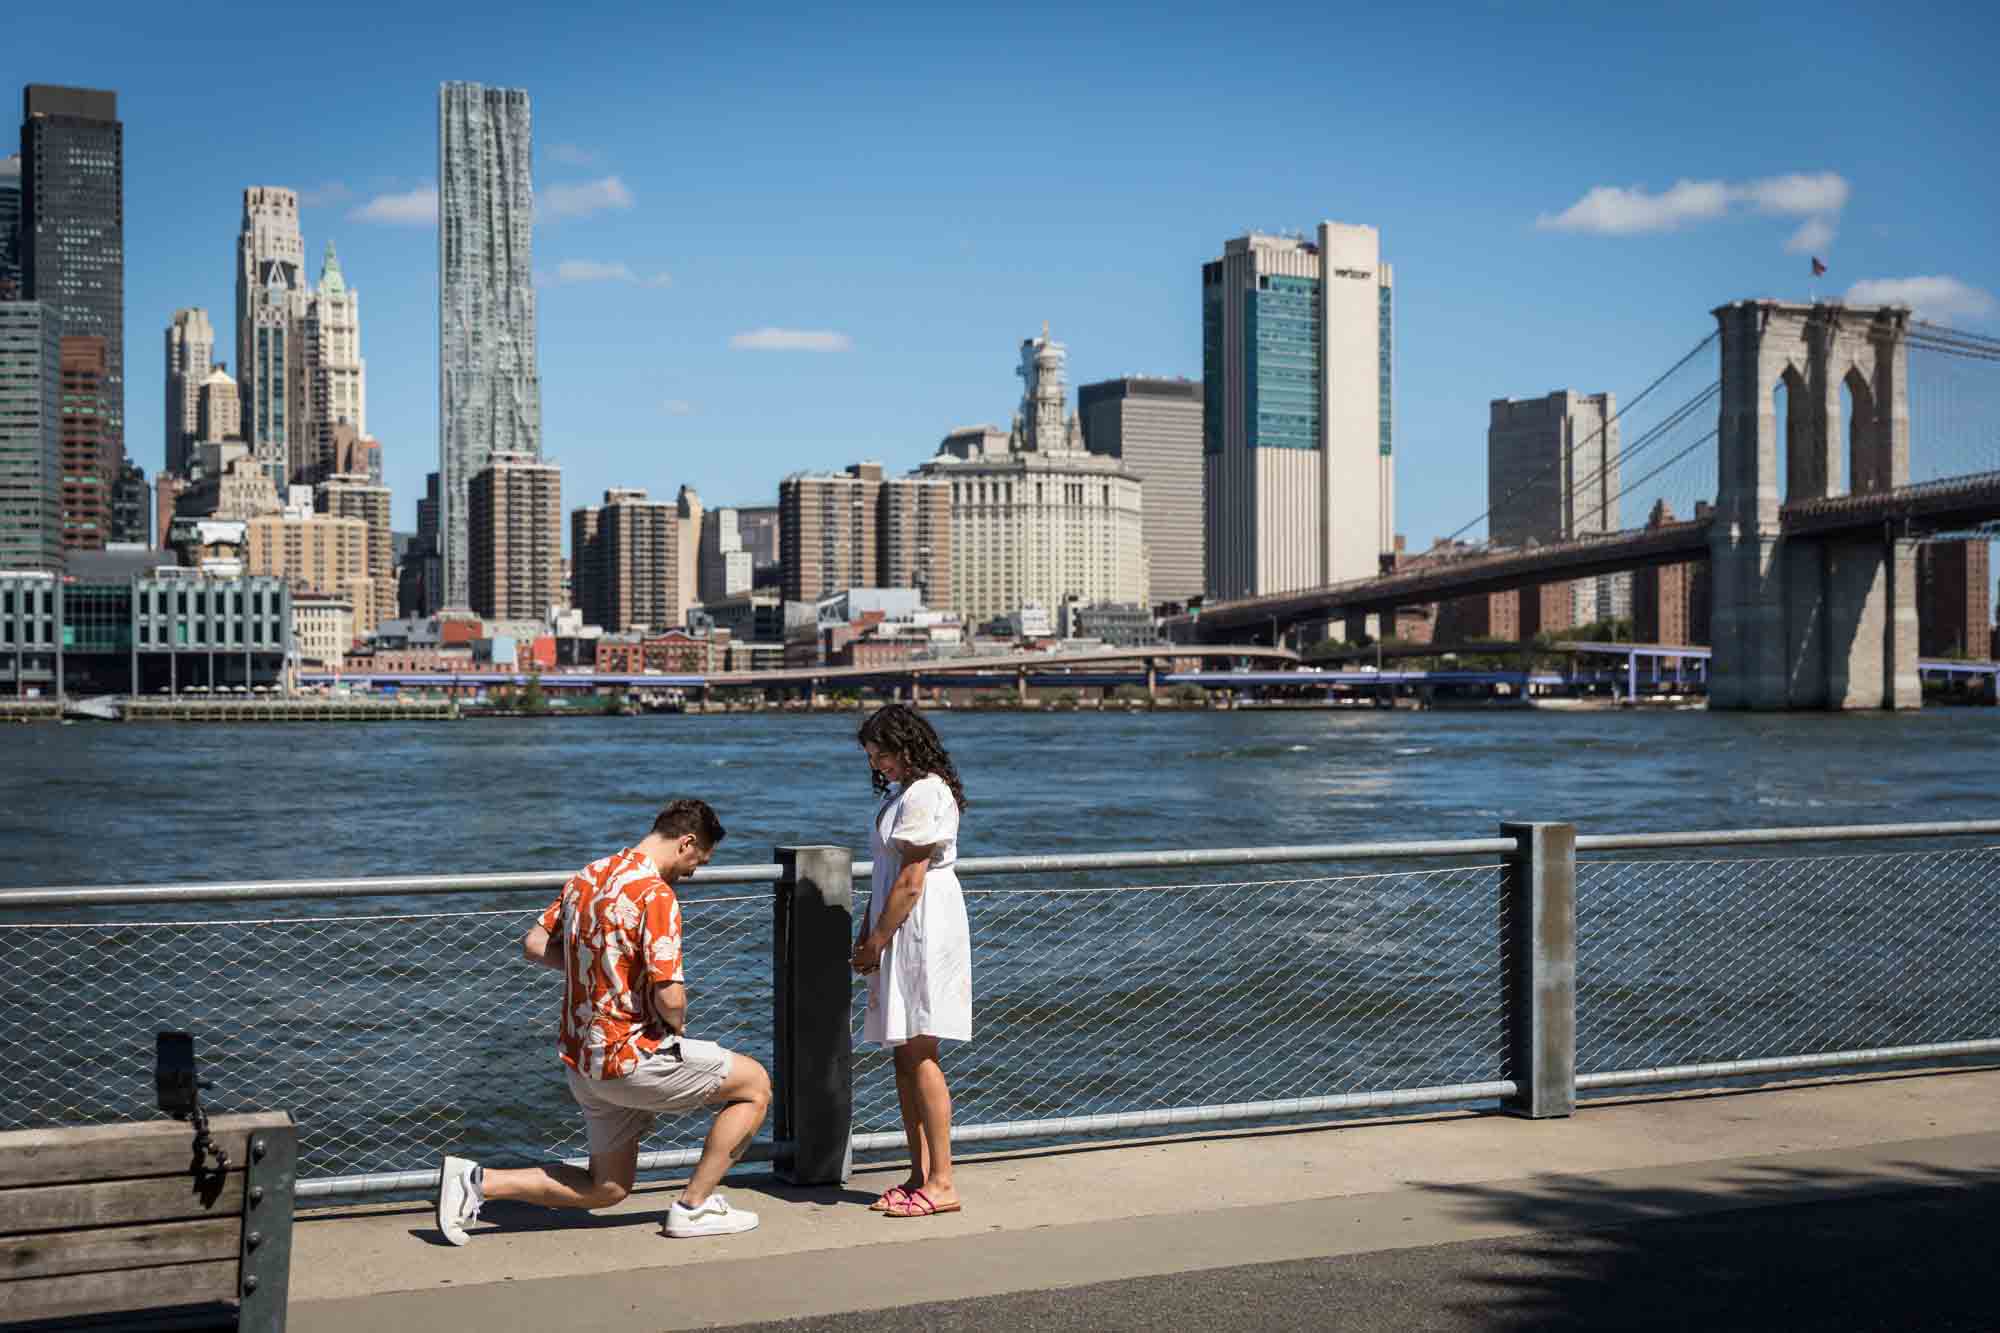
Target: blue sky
(904, 193)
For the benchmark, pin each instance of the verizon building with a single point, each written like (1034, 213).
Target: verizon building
(1297, 416)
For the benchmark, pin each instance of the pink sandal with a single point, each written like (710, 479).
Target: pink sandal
(891, 1198)
(916, 1203)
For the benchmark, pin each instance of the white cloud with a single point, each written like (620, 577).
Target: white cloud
(593, 270)
(791, 340)
(580, 201)
(10, 165)
(677, 407)
(1614, 210)
(573, 155)
(419, 206)
(1814, 237)
(589, 270)
(1796, 195)
(1939, 297)
(333, 192)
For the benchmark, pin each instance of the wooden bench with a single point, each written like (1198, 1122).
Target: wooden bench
(119, 1219)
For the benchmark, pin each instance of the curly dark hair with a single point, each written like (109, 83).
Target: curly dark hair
(904, 732)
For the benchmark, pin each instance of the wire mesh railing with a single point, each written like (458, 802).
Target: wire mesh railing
(1222, 984)
(1140, 1002)
(390, 1037)
(1700, 962)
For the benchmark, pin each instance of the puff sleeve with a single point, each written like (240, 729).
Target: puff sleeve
(927, 816)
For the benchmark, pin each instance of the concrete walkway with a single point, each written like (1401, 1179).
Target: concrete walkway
(1383, 1202)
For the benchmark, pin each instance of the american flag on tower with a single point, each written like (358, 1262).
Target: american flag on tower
(1818, 268)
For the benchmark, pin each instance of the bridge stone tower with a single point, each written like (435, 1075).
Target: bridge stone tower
(1811, 621)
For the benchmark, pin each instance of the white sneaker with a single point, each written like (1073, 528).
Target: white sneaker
(714, 1218)
(459, 1197)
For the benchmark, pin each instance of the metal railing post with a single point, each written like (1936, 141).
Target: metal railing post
(812, 997)
(1538, 963)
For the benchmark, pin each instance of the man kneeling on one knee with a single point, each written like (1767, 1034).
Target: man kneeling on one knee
(615, 933)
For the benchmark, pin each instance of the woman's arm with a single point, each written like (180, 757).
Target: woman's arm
(903, 896)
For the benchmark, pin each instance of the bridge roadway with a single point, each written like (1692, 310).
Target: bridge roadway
(1008, 665)
(1860, 1202)
(1938, 506)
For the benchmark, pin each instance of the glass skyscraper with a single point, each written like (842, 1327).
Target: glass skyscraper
(10, 227)
(72, 243)
(31, 520)
(489, 390)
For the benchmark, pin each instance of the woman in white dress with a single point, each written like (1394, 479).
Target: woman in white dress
(914, 946)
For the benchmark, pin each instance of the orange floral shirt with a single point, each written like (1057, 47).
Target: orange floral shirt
(620, 929)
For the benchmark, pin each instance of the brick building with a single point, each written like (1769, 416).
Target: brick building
(89, 444)
(514, 538)
(1670, 603)
(859, 530)
(1954, 600)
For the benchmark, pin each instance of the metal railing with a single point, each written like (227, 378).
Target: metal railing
(1104, 1002)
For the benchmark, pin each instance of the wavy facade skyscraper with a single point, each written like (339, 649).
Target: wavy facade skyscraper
(489, 389)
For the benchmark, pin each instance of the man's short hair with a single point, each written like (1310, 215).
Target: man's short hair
(688, 815)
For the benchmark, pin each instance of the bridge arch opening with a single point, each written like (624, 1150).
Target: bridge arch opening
(1790, 407)
(1868, 463)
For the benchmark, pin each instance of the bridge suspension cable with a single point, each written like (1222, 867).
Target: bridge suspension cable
(1543, 474)
(1704, 441)
(1945, 338)
(1651, 437)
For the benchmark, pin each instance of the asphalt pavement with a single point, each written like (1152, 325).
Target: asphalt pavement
(1924, 1259)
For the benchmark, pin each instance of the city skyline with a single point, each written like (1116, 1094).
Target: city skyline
(724, 301)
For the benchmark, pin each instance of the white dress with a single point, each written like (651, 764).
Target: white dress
(924, 986)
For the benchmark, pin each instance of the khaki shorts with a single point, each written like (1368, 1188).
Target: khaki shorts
(680, 1077)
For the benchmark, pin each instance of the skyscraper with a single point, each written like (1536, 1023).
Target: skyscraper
(336, 376)
(72, 246)
(1035, 518)
(1552, 476)
(1297, 413)
(626, 554)
(351, 495)
(218, 410)
(270, 315)
(1154, 427)
(190, 357)
(489, 392)
(828, 525)
(420, 580)
(31, 525)
(89, 471)
(10, 227)
(514, 538)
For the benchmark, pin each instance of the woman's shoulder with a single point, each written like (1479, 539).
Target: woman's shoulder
(931, 785)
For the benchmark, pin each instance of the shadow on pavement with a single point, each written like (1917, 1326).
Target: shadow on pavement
(1774, 1248)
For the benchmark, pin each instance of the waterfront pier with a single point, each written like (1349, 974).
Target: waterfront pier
(1837, 1203)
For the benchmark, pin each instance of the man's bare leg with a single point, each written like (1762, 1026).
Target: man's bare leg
(745, 1098)
(559, 1185)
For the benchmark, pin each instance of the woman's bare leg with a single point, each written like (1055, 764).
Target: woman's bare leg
(917, 1059)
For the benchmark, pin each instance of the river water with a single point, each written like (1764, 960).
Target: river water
(95, 803)
(395, 1027)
